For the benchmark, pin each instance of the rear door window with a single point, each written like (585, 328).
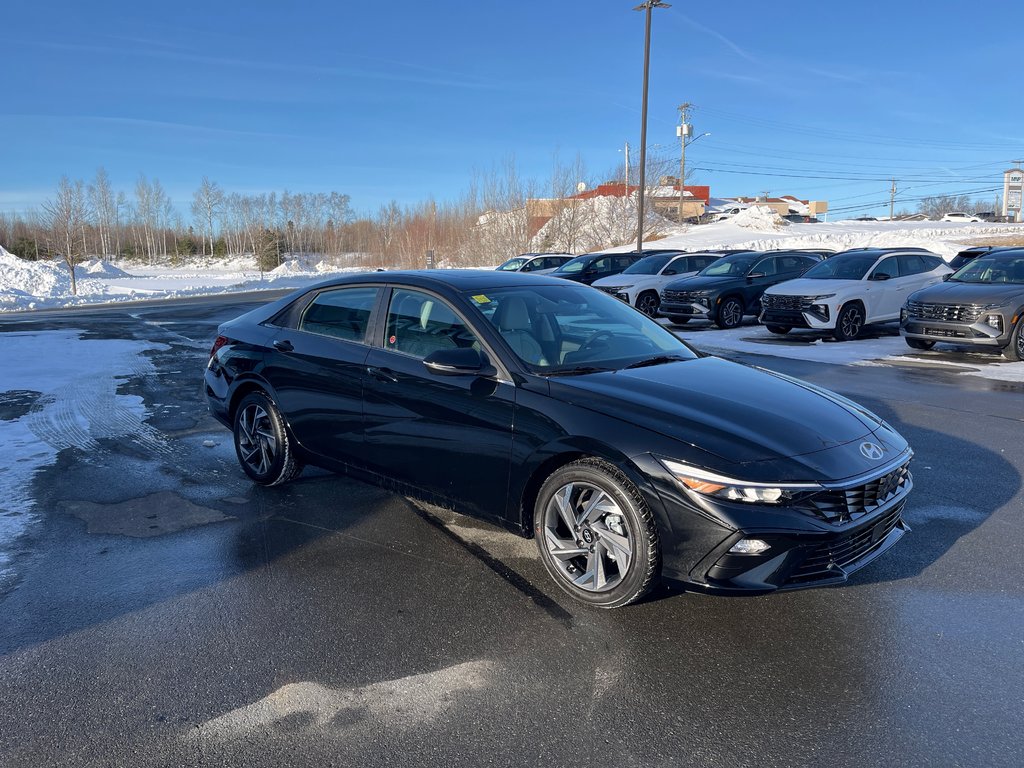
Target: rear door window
(343, 313)
(888, 266)
(912, 264)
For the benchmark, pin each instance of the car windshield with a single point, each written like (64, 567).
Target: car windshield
(730, 265)
(575, 265)
(513, 265)
(1001, 268)
(573, 329)
(649, 265)
(842, 266)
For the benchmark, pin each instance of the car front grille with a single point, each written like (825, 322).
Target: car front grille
(845, 505)
(825, 560)
(683, 297)
(953, 313)
(775, 301)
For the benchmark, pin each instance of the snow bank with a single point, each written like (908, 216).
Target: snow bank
(761, 218)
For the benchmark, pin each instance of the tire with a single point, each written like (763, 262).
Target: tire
(678, 319)
(583, 554)
(1014, 351)
(262, 442)
(850, 322)
(730, 313)
(782, 330)
(648, 303)
(919, 343)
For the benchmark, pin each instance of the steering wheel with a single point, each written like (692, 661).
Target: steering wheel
(594, 338)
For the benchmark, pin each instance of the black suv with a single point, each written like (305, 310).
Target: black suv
(731, 287)
(593, 266)
(981, 304)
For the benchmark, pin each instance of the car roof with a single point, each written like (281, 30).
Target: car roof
(458, 279)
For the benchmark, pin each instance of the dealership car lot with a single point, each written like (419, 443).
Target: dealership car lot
(167, 611)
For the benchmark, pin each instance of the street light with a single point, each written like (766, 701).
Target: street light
(646, 6)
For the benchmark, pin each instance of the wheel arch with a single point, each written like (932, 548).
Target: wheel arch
(247, 386)
(548, 460)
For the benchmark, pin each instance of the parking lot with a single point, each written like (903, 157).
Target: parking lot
(159, 609)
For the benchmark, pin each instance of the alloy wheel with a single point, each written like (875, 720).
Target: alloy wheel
(731, 313)
(257, 442)
(588, 537)
(648, 304)
(851, 321)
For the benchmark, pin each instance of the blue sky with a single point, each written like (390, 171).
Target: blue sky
(407, 100)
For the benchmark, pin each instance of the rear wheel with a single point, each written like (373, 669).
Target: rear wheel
(262, 443)
(730, 313)
(1014, 351)
(850, 322)
(782, 330)
(597, 537)
(648, 303)
(919, 344)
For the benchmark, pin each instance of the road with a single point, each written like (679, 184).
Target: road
(161, 610)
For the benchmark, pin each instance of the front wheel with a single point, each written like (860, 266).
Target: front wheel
(730, 313)
(1014, 351)
(597, 537)
(849, 323)
(648, 303)
(262, 443)
(919, 343)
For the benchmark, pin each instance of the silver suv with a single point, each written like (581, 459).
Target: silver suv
(981, 304)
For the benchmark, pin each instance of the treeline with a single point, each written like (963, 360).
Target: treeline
(488, 224)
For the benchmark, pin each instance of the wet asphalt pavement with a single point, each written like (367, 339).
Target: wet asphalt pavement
(163, 611)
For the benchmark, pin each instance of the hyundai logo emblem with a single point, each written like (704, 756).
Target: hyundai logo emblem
(871, 451)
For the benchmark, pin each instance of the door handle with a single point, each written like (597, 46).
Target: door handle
(283, 345)
(382, 374)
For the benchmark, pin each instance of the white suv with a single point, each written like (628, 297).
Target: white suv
(960, 217)
(844, 293)
(640, 284)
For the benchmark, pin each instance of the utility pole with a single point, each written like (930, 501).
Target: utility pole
(684, 132)
(647, 6)
(892, 200)
(625, 187)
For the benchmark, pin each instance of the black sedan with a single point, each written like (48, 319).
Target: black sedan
(566, 415)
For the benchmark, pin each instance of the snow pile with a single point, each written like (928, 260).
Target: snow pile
(99, 268)
(290, 267)
(592, 224)
(761, 218)
(20, 278)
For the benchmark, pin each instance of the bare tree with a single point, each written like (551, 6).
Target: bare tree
(103, 205)
(66, 215)
(207, 203)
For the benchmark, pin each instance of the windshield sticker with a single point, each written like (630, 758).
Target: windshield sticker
(481, 299)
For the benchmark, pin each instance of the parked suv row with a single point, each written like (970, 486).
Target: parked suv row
(732, 287)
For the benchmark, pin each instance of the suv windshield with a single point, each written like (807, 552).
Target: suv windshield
(575, 265)
(649, 265)
(513, 265)
(993, 268)
(843, 266)
(573, 329)
(730, 265)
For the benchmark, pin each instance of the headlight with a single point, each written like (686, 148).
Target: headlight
(995, 321)
(706, 483)
(823, 296)
(700, 294)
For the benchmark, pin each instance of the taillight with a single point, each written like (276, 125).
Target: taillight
(219, 342)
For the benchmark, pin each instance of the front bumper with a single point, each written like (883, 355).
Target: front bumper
(820, 316)
(976, 334)
(811, 543)
(692, 310)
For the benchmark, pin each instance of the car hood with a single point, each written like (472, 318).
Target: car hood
(734, 414)
(707, 283)
(971, 293)
(619, 281)
(803, 286)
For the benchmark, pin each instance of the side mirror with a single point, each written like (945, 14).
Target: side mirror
(755, 275)
(457, 362)
(881, 276)
(670, 272)
(946, 276)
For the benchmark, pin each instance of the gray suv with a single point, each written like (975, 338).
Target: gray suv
(981, 304)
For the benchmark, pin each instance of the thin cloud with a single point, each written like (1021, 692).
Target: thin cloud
(721, 38)
(158, 124)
